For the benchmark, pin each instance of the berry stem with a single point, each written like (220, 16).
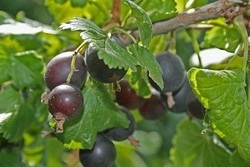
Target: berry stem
(116, 86)
(72, 66)
(59, 119)
(126, 33)
(133, 141)
(239, 24)
(73, 61)
(170, 99)
(196, 46)
(81, 48)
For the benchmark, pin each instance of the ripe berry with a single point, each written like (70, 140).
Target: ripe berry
(64, 101)
(195, 108)
(127, 96)
(101, 71)
(120, 134)
(59, 67)
(173, 72)
(173, 75)
(154, 107)
(180, 98)
(102, 154)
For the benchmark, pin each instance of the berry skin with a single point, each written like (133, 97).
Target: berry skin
(173, 72)
(180, 98)
(127, 96)
(120, 134)
(59, 67)
(101, 71)
(195, 108)
(154, 107)
(64, 101)
(103, 154)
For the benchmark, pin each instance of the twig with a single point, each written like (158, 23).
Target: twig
(223, 8)
(115, 13)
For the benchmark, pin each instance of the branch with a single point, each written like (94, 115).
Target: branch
(223, 8)
(115, 12)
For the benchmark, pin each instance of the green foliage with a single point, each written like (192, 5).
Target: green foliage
(38, 151)
(197, 149)
(144, 23)
(24, 69)
(221, 36)
(63, 12)
(27, 136)
(21, 119)
(11, 97)
(78, 3)
(147, 60)
(139, 82)
(115, 56)
(237, 160)
(112, 53)
(159, 10)
(223, 94)
(100, 113)
(11, 157)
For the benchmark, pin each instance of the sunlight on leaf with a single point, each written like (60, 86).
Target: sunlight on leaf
(223, 93)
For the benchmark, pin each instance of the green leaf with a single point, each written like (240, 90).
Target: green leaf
(181, 5)
(78, 3)
(150, 142)
(223, 94)
(116, 56)
(191, 148)
(26, 69)
(143, 22)
(148, 61)
(55, 153)
(11, 157)
(196, 4)
(14, 127)
(60, 1)
(126, 154)
(97, 10)
(226, 38)
(5, 18)
(232, 62)
(159, 10)
(90, 32)
(139, 82)
(100, 113)
(9, 100)
(237, 160)
(4, 67)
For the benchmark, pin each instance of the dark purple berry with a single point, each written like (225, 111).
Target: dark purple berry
(127, 96)
(64, 102)
(173, 72)
(59, 67)
(180, 98)
(154, 107)
(120, 134)
(103, 154)
(101, 71)
(195, 108)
